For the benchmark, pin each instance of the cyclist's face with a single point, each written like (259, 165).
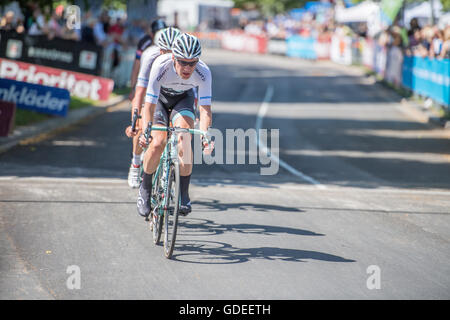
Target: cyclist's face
(185, 67)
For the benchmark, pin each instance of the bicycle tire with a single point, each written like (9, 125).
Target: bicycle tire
(172, 198)
(157, 219)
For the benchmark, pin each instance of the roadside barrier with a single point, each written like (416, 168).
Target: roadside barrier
(237, 40)
(426, 77)
(301, 47)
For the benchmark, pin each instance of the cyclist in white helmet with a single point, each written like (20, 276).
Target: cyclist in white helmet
(170, 98)
(163, 40)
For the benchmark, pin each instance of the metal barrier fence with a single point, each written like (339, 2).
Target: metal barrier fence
(430, 78)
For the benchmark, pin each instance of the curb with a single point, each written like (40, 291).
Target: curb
(414, 110)
(41, 130)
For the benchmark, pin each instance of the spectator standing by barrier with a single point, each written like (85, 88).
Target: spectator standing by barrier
(436, 43)
(38, 25)
(8, 22)
(445, 52)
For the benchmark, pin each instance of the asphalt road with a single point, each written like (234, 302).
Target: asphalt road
(358, 207)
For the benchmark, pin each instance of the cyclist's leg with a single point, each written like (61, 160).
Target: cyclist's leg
(183, 116)
(151, 159)
(156, 147)
(133, 173)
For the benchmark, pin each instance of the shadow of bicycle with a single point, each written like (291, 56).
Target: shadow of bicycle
(214, 252)
(216, 205)
(198, 251)
(202, 227)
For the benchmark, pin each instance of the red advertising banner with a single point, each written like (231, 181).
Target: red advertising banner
(79, 84)
(240, 41)
(7, 111)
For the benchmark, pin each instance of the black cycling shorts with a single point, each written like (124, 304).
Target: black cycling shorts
(170, 107)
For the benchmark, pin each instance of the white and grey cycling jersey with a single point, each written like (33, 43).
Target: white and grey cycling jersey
(163, 77)
(148, 57)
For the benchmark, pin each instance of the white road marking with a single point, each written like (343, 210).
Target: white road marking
(259, 119)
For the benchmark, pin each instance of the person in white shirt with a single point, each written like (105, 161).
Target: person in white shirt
(163, 40)
(170, 98)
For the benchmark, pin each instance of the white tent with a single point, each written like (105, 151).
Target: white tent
(359, 13)
(444, 20)
(422, 12)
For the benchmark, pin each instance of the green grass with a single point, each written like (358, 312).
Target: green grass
(25, 117)
(121, 91)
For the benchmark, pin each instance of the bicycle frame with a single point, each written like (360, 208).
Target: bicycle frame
(163, 166)
(170, 153)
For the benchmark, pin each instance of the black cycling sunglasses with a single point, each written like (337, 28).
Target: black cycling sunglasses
(186, 63)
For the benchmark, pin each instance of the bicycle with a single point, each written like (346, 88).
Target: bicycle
(165, 195)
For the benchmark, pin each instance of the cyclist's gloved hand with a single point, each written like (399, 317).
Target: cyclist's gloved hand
(130, 133)
(207, 146)
(143, 141)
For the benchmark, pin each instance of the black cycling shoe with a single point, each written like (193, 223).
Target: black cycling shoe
(143, 203)
(185, 209)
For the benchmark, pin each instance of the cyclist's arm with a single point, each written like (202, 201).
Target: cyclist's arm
(147, 114)
(204, 100)
(134, 75)
(146, 62)
(205, 117)
(138, 99)
(151, 95)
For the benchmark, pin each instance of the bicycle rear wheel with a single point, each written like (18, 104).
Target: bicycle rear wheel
(157, 218)
(172, 198)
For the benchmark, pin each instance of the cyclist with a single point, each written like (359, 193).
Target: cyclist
(170, 97)
(163, 40)
(145, 42)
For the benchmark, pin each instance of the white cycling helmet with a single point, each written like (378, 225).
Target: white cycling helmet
(166, 38)
(186, 46)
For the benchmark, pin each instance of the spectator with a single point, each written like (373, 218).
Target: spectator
(413, 26)
(8, 22)
(99, 33)
(38, 24)
(116, 30)
(436, 43)
(105, 21)
(54, 26)
(87, 29)
(445, 52)
(414, 43)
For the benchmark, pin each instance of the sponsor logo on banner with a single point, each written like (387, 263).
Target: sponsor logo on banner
(35, 97)
(88, 59)
(58, 53)
(79, 84)
(14, 49)
(50, 54)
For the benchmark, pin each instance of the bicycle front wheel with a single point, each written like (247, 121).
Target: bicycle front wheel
(157, 219)
(171, 209)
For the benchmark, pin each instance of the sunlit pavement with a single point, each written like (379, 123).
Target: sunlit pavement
(360, 186)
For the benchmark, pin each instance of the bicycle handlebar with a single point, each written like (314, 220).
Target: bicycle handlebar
(176, 130)
(134, 120)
